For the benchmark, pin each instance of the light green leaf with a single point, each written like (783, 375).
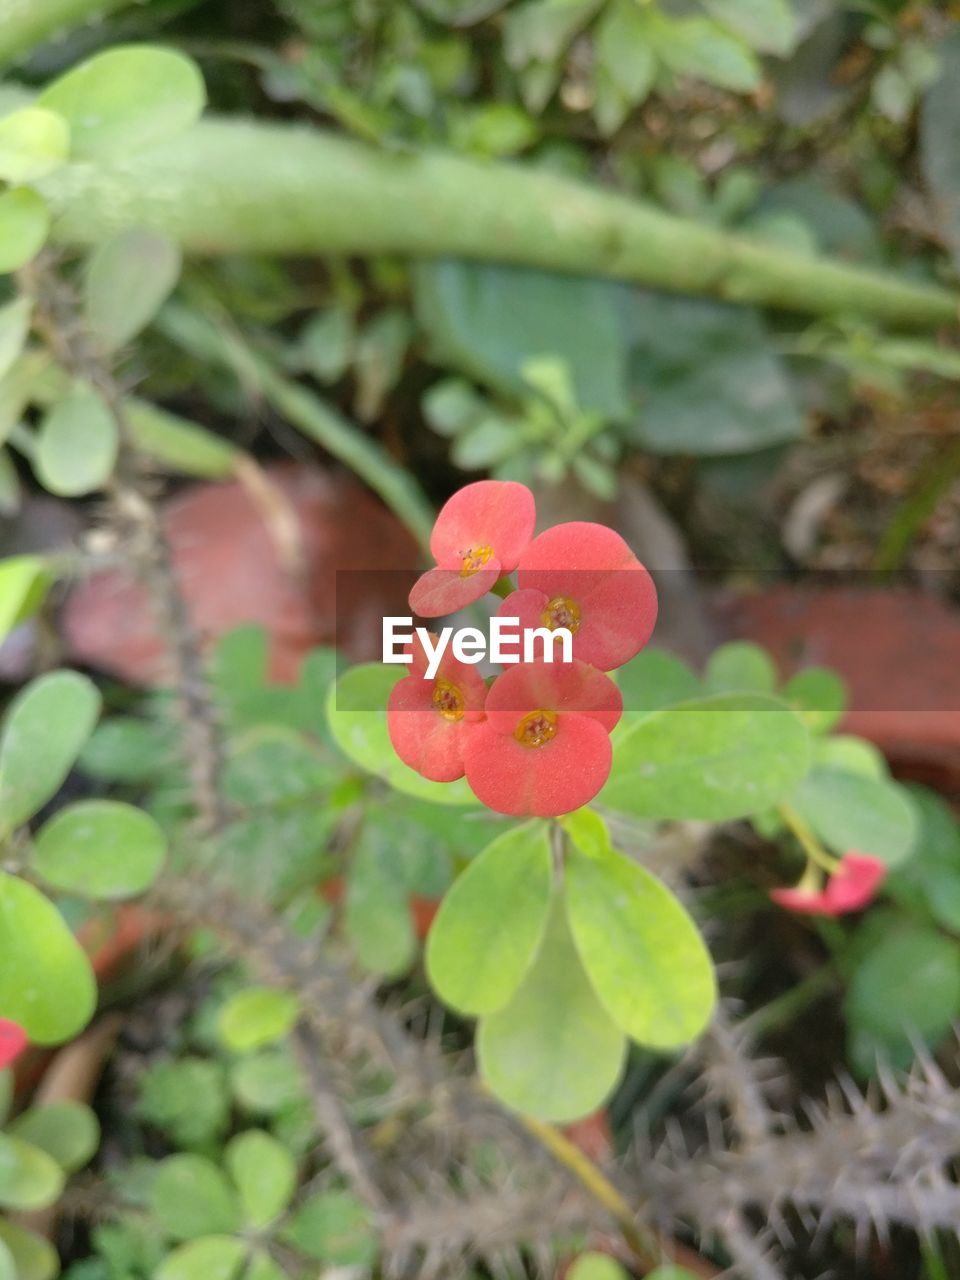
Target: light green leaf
(909, 982)
(128, 279)
(24, 223)
(180, 444)
(540, 30)
(940, 155)
(641, 951)
(596, 1266)
(14, 327)
(377, 914)
(266, 1083)
(655, 679)
(698, 47)
(130, 97)
(191, 1197)
(34, 1257)
(33, 142)
(588, 831)
(356, 714)
(624, 50)
(715, 758)
(46, 983)
(769, 26)
(818, 695)
(24, 581)
(68, 1131)
(263, 1267)
(264, 1173)
(214, 1257)
(334, 1227)
(854, 811)
(850, 755)
(10, 495)
(8, 1268)
(740, 667)
(77, 444)
(257, 1017)
(29, 1178)
(553, 1052)
(100, 849)
(43, 731)
(497, 909)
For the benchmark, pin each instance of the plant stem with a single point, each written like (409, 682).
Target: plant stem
(784, 1009)
(209, 343)
(24, 24)
(232, 186)
(808, 842)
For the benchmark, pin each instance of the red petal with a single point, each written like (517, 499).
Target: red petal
(580, 544)
(489, 513)
(442, 591)
(467, 678)
(855, 882)
(557, 777)
(552, 686)
(803, 901)
(13, 1041)
(421, 737)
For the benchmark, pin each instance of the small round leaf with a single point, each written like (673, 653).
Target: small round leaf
(34, 1258)
(334, 1227)
(100, 849)
(24, 223)
(191, 1197)
(256, 1017)
(29, 1178)
(68, 1131)
(210, 1258)
(265, 1174)
(129, 278)
(497, 909)
(128, 98)
(33, 142)
(76, 445)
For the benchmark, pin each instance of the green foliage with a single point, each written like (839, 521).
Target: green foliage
(256, 1017)
(100, 849)
(24, 581)
(33, 142)
(68, 1132)
(77, 444)
(128, 279)
(187, 1099)
(24, 223)
(853, 811)
(334, 1227)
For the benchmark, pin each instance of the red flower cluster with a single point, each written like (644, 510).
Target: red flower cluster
(13, 1041)
(537, 741)
(849, 888)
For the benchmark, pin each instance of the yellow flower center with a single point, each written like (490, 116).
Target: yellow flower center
(448, 700)
(474, 559)
(536, 728)
(562, 612)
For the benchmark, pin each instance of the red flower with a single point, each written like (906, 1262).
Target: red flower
(584, 577)
(849, 888)
(13, 1041)
(428, 719)
(544, 748)
(479, 535)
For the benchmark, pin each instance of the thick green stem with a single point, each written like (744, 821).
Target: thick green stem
(236, 186)
(24, 24)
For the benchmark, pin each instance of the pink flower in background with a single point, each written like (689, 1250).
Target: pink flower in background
(850, 888)
(13, 1041)
(478, 536)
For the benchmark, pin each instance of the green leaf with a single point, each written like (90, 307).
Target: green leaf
(130, 97)
(8, 1268)
(129, 277)
(179, 444)
(588, 831)
(929, 882)
(655, 679)
(67, 1131)
(497, 909)
(46, 983)
(356, 714)
(377, 915)
(24, 223)
(264, 1173)
(850, 755)
(540, 30)
(255, 1017)
(715, 758)
(14, 327)
(10, 495)
(100, 849)
(33, 142)
(641, 951)
(24, 581)
(77, 444)
(819, 697)
(854, 811)
(626, 66)
(334, 1227)
(34, 1257)
(706, 377)
(909, 982)
(553, 1052)
(698, 47)
(191, 1197)
(213, 1257)
(769, 26)
(740, 667)
(45, 726)
(266, 1083)
(186, 1098)
(490, 320)
(596, 1266)
(29, 1178)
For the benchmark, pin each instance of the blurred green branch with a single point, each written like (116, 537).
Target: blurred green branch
(236, 186)
(24, 24)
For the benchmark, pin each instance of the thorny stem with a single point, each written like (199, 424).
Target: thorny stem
(56, 320)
